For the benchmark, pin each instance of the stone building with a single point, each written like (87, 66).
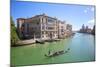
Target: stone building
(62, 30)
(85, 29)
(69, 30)
(42, 27)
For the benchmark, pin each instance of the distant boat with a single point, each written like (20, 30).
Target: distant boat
(52, 40)
(73, 33)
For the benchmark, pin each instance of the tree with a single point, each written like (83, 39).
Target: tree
(14, 36)
(93, 31)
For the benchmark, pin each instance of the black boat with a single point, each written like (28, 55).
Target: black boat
(56, 53)
(41, 42)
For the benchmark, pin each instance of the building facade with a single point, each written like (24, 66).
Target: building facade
(85, 29)
(42, 26)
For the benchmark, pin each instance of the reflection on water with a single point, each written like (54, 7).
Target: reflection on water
(82, 48)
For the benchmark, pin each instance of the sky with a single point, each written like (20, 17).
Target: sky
(76, 15)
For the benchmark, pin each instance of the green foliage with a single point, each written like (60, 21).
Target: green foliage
(14, 36)
(93, 31)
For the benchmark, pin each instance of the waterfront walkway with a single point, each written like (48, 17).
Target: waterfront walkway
(30, 41)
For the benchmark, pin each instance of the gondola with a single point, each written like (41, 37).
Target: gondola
(57, 53)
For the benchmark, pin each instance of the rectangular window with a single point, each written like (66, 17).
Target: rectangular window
(51, 20)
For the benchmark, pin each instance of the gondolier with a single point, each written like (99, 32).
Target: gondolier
(56, 53)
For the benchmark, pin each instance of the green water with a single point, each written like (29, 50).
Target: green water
(82, 48)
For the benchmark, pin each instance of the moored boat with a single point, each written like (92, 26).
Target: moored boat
(41, 42)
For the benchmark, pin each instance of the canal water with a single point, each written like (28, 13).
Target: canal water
(82, 48)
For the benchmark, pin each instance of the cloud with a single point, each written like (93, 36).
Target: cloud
(89, 10)
(85, 11)
(92, 9)
(91, 21)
